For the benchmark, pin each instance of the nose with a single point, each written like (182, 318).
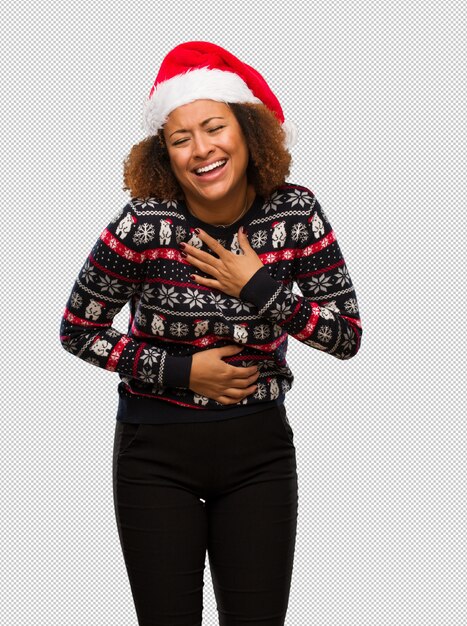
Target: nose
(202, 146)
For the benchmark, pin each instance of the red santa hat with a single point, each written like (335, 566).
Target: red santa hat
(198, 70)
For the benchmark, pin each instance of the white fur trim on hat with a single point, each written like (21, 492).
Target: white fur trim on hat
(290, 130)
(198, 84)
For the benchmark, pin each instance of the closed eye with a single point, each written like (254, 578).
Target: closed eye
(211, 130)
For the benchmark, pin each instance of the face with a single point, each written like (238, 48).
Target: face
(200, 133)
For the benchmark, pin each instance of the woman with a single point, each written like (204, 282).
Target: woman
(204, 458)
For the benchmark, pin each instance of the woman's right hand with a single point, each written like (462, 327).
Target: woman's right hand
(212, 377)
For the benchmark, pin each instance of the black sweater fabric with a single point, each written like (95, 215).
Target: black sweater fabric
(137, 259)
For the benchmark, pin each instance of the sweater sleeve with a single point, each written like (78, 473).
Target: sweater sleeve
(113, 274)
(326, 316)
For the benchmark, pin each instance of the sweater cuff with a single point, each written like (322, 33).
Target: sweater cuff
(177, 371)
(260, 289)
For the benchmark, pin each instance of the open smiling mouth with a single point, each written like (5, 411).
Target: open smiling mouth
(212, 171)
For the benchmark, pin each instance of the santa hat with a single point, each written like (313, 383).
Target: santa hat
(198, 70)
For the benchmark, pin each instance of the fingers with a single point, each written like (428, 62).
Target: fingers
(203, 258)
(233, 396)
(214, 245)
(236, 394)
(242, 383)
(244, 372)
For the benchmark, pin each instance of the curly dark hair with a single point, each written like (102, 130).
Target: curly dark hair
(147, 171)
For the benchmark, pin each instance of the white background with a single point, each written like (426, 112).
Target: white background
(377, 90)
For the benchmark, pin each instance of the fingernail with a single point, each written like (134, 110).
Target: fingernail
(184, 254)
(197, 231)
(244, 230)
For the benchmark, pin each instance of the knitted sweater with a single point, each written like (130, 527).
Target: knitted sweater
(137, 259)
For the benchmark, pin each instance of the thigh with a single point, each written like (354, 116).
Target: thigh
(252, 531)
(163, 534)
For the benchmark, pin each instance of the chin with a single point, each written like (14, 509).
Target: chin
(216, 192)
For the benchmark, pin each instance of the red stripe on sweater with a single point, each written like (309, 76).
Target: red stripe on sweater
(79, 321)
(319, 245)
(322, 270)
(207, 340)
(267, 258)
(116, 353)
(352, 320)
(120, 248)
(311, 324)
(109, 272)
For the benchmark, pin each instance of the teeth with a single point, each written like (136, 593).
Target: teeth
(208, 168)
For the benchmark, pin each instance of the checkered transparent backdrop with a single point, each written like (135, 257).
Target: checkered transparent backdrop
(378, 93)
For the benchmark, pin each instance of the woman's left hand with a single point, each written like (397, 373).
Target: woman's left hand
(231, 271)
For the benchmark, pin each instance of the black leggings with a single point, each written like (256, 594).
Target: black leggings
(227, 487)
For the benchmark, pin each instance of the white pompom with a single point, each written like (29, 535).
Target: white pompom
(290, 130)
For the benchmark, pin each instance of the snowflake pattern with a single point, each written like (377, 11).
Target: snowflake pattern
(299, 232)
(351, 306)
(261, 332)
(144, 233)
(180, 233)
(281, 311)
(146, 291)
(240, 305)
(147, 375)
(219, 300)
(220, 328)
(150, 356)
(143, 203)
(259, 239)
(109, 285)
(299, 196)
(170, 203)
(272, 203)
(342, 276)
(289, 294)
(76, 300)
(193, 297)
(71, 345)
(179, 329)
(325, 334)
(88, 273)
(261, 392)
(348, 340)
(319, 284)
(168, 295)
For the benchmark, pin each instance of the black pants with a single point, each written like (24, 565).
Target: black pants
(228, 488)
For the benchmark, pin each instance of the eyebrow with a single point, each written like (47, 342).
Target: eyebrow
(184, 130)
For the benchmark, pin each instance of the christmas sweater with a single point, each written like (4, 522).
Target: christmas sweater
(136, 259)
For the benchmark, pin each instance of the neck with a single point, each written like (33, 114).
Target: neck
(226, 211)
